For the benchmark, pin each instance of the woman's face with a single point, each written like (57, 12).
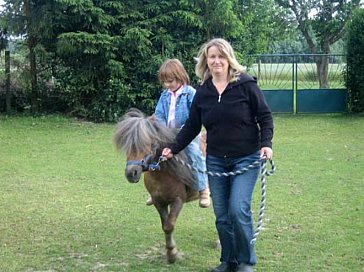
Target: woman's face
(217, 62)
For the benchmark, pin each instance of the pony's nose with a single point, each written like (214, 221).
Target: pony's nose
(132, 174)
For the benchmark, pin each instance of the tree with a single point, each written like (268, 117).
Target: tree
(355, 57)
(104, 55)
(29, 19)
(322, 23)
(264, 23)
(92, 79)
(3, 38)
(32, 43)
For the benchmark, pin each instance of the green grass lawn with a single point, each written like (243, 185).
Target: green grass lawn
(66, 206)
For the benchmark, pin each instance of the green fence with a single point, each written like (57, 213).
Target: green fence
(292, 84)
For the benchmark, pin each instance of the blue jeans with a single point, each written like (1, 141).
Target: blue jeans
(231, 198)
(197, 161)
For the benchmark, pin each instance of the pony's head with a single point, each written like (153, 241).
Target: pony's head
(141, 139)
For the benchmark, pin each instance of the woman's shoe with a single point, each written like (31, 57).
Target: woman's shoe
(244, 268)
(204, 201)
(223, 267)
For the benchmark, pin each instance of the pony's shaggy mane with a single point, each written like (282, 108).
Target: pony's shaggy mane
(137, 134)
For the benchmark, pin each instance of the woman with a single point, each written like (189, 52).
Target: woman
(239, 125)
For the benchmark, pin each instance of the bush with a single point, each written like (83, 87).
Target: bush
(112, 102)
(355, 67)
(87, 97)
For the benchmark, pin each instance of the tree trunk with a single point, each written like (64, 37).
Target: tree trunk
(32, 41)
(7, 84)
(322, 71)
(33, 77)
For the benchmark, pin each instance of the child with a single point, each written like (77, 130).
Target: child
(172, 110)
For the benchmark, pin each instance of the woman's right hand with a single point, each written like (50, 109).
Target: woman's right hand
(166, 152)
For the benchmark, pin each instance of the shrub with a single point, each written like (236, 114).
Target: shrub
(355, 67)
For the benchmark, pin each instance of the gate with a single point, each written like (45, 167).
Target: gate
(291, 83)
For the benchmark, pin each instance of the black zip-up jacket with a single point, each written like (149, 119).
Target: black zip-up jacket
(238, 123)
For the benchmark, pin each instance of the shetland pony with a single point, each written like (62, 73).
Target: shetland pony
(169, 183)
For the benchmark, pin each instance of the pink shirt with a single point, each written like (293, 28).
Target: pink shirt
(172, 107)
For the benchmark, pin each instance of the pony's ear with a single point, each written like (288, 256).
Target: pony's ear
(133, 112)
(152, 118)
(156, 149)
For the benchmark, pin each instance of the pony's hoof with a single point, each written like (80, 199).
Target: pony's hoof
(174, 255)
(217, 245)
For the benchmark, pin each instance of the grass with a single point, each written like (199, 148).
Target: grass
(66, 206)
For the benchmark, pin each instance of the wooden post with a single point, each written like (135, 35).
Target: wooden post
(7, 84)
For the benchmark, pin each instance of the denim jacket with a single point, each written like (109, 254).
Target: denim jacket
(183, 105)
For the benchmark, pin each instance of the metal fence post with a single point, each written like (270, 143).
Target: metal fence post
(294, 83)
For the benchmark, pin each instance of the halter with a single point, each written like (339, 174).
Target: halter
(146, 166)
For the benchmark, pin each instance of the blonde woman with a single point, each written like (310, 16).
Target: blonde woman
(239, 126)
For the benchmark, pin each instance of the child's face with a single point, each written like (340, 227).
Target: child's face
(171, 84)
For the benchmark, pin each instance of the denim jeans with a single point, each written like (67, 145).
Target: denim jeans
(231, 198)
(197, 161)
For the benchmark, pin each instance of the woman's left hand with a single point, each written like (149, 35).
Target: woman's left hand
(266, 151)
(167, 152)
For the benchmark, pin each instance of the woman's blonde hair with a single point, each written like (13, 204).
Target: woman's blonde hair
(202, 70)
(173, 69)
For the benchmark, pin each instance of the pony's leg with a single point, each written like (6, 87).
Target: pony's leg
(172, 251)
(163, 213)
(168, 224)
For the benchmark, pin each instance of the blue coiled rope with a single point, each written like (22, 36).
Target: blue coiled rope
(262, 162)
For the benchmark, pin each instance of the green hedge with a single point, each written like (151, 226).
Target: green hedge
(355, 67)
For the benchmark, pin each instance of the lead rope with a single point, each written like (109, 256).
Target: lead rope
(262, 162)
(263, 174)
